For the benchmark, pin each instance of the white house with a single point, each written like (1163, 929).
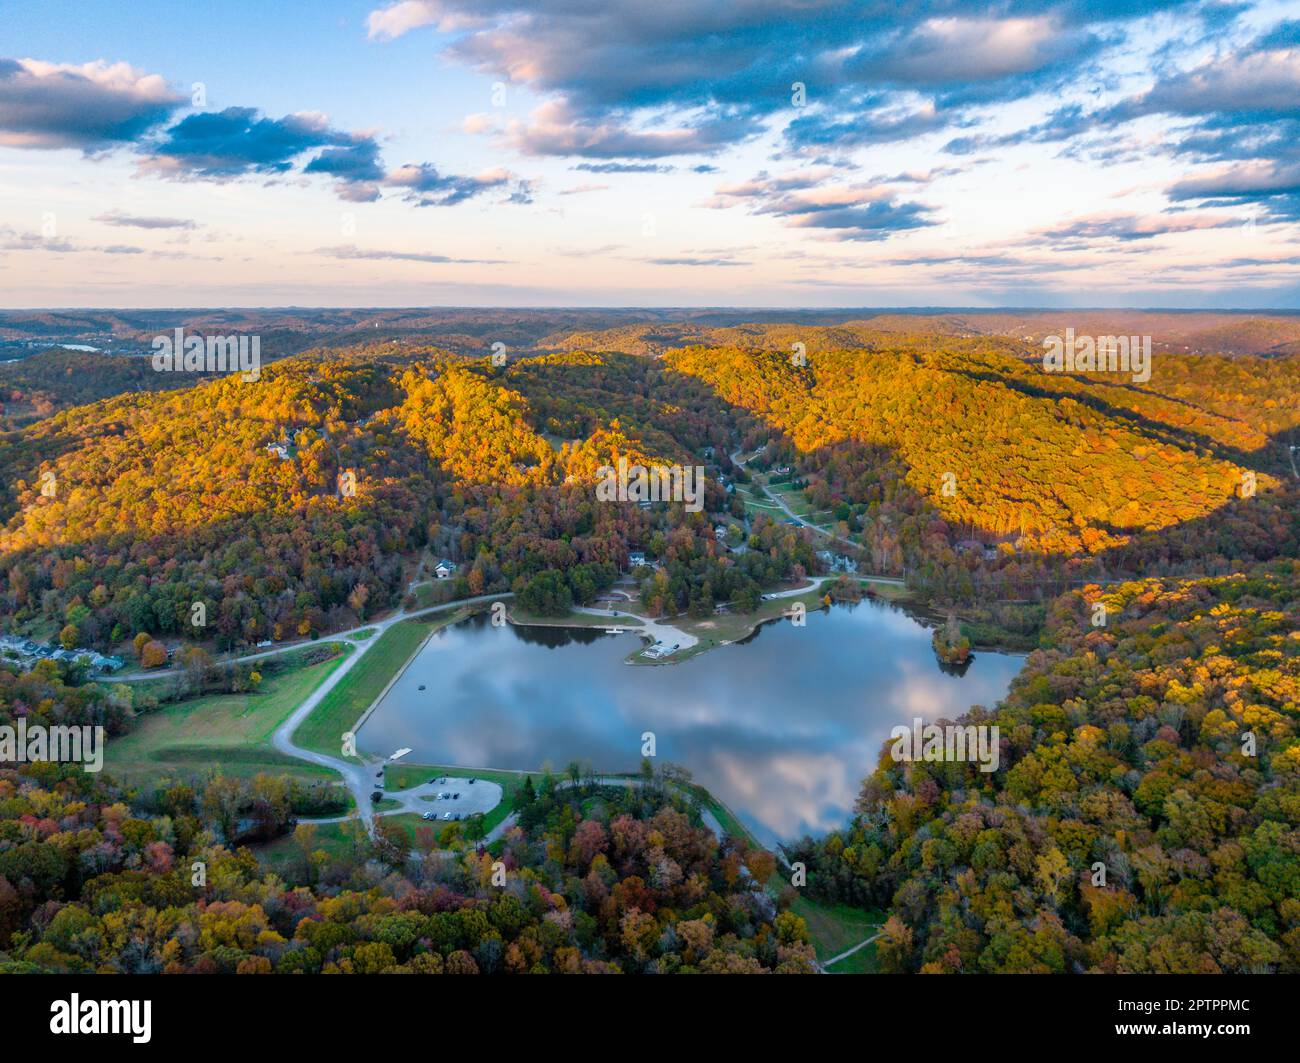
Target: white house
(444, 569)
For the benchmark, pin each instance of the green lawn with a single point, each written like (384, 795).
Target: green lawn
(836, 928)
(227, 731)
(340, 709)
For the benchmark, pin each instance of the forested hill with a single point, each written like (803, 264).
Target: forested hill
(119, 514)
(1069, 464)
(1145, 814)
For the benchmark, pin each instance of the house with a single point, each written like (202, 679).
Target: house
(837, 562)
(444, 569)
(636, 559)
(720, 533)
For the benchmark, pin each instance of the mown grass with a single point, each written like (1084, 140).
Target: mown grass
(225, 732)
(340, 709)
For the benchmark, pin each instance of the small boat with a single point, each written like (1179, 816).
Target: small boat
(421, 686)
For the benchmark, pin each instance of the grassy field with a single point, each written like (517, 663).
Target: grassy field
(836, 928)
(340, 709)
(227, 731)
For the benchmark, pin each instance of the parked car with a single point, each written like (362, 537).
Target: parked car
(446, 815)
(472, 781)
(455, 797)
(430, 815)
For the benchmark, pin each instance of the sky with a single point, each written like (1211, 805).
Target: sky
(765, 153)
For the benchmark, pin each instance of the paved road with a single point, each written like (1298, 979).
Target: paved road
(358, 773)
(351, 636)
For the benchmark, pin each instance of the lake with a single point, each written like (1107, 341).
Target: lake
(782, 727)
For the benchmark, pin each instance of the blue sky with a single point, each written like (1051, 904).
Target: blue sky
(689, 152)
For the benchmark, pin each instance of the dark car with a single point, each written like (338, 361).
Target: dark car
(455, 797)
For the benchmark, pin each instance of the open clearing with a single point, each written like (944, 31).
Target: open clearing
(229, 732)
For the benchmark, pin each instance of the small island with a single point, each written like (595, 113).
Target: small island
(950, 645)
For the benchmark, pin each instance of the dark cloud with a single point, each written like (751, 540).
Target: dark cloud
(91, 107)
(626, 81)
(355, 162)
(806, 200)
(239, 141)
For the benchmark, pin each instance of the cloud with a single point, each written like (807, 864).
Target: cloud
(424, 186)
(1263, 83)
(91, 107)
(1245, 112)
(803, 200)
(624, 167)
(397, 19)
(349, 252)
(692, 260)
(238, 141)
(14, 240)
(1064, 123)
(556, 129)
(354, 162)
(1130, 227)
(136, 221)
(621, 80)
(882, 124)
(977, 59)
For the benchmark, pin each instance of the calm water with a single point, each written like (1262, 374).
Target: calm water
(782, 727)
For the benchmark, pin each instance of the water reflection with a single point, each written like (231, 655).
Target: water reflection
(782, 727)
